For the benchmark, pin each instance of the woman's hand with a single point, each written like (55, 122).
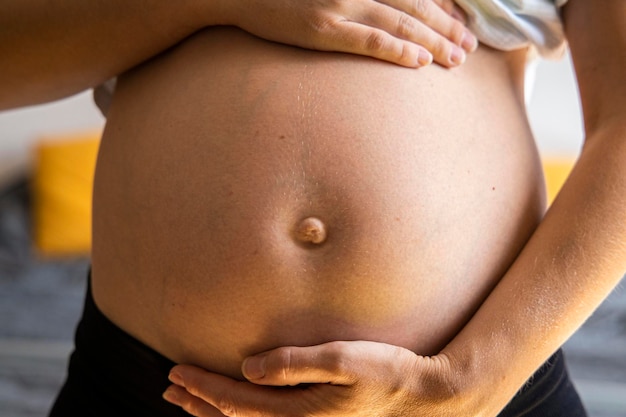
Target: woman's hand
(75, 45)
(332, 379)
(406, 32)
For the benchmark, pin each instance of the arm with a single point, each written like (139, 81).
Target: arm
(49, 50)
(571, 263)
(578, 253)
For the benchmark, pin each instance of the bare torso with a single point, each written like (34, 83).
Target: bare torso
(250, 195)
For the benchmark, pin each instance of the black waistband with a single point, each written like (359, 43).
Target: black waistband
(113, 374)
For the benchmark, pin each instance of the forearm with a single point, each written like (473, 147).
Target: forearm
(578, 253)
(51, 49)
(575, 258)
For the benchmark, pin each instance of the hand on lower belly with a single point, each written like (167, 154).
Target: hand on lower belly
(333, 379)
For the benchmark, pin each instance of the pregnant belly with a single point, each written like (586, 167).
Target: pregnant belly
(250, 195)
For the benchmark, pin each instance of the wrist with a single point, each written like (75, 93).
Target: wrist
(438, 381)
(480, 385)
(464, 376)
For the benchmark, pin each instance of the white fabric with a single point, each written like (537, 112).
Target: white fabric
(514, 24)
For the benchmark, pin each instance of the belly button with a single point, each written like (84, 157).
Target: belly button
(311, 230)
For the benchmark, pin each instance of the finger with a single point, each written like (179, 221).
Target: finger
(451, 8)
(437, 14)
(361, 39)
(430, 26)
(444, 51)
(468, 41)
(242, 399)
(337, 363)
(445, 5)
(191, 404)
(326, 363)
(439, 18)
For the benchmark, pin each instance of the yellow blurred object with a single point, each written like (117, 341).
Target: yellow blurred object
(556, 170)
(62, 190)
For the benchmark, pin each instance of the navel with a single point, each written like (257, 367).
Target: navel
(311, 230)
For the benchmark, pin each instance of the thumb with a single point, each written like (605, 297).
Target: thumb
(337, 363)
(291, 365)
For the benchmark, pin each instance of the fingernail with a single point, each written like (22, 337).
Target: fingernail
(254, 367)
(469, 41)
(170, 396)
(457, 56)
(176, 378)
(424, 58)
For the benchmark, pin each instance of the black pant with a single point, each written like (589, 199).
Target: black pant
(112, 374)
(548, 393)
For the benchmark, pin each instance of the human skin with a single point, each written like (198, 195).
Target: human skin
(612, 129)
(215, 152)
(573, 260)
(51, 50)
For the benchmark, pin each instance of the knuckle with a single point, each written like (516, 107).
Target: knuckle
(447, 5)
(285, 360)
(192, 409)
(406, 25)
(192, 388)
(421, 8)
(226, 404)
(192, 406)
(456, 32)
(322, 20)
(441, 48)
(338, 360)
(320, 23)
(407, 54)
(189, 407)
(375, 42)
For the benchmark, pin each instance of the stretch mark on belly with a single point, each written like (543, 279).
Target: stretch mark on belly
(311, 230)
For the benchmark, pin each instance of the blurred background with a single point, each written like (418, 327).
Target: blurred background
(46, 157)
